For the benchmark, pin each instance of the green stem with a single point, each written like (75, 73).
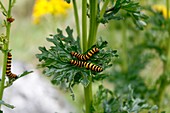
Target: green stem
(93, 22)
(84, 24)
(168, 40)
(91, 41)
(124, 51)
(88, 96)
(103, 9)
(161, 89)
(76, 17)
(8, 26)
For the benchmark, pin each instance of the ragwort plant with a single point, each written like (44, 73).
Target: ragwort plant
(152, 43)
(105, 101)
(46, 7)
(68, 71)
(159, 40)
(7, 77)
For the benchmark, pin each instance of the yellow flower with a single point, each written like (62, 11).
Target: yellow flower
(162, 9)
(44, 7)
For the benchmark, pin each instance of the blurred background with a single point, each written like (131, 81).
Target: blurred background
(142, 62)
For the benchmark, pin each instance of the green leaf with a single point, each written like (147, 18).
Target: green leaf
(85, 80)
(132, 9)
(68, 1)
(4, 13)
(7, 105)
(11, 80)
(25, 73)
(56, 60)
(105, 102)
(3, 9)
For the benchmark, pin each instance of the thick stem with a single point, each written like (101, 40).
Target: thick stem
(88, 96)
(76, 17)
(84, 24)
(93, 23)
(8, 26)
(91, 40)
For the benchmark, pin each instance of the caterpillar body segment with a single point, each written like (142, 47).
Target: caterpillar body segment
(92, 51)
(87, 65)
(78, 56)
(77, 63)
(93, 67)
(86, 56)
(11, 75)
(9, 56)
(8, 67)
(9, 59)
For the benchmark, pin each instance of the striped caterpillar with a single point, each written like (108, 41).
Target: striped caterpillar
(8, 67)
(87, 65)
(86, 56)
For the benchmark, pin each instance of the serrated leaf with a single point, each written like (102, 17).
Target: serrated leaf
(56, 59)
(85, 80)
(105, 102)
(131, 7)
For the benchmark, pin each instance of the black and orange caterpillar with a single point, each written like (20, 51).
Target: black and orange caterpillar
(8, 67)
(87, 65)
(86, 56)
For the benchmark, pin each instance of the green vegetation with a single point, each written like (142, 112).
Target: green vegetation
(134, 52)
(56, 60)
(4, 47)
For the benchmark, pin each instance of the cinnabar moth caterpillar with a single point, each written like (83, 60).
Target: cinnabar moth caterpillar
(87, 65)
(86, 56)
(8, 67)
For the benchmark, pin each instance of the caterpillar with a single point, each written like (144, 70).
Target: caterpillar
(87, 65)
(86, 56)
(8, 67)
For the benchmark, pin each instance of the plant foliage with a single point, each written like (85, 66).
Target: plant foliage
(4, 48)
(7, 105)
(11, 80)
(56, 60)
(106, 102)
(137, 60)
(150, 46)
(132, 9)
